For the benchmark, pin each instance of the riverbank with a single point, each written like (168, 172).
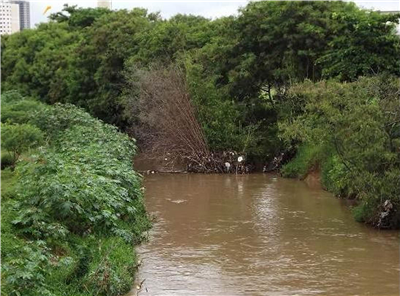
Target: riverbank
(72, 208)
(320, 167)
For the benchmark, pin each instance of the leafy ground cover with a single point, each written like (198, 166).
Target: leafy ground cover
(72, 208)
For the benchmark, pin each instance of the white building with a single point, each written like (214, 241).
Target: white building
(104, 3)
(9, 18)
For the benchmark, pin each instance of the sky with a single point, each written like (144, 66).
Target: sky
(206, 8)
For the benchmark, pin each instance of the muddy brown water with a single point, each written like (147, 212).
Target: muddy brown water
(259, 235)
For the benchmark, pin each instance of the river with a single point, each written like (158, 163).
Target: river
(259, 234)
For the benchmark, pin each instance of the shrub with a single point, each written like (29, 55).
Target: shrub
(308, 157)
(10, 97)
(362, 211)
(77, 192)
(53, 121)
(112, 268)
(360, 123)
(18, 138)
(228, 124)
(101, 197)
(18, 109)
(24, 269)
(90, 164)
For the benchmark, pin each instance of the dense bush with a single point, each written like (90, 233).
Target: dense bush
(358, 124)
(222, 120)
(308, 157)
(91, 163)
(76, 211)
(18, 135)
(18, 109)
(18, 138)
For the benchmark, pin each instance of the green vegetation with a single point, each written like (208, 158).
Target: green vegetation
(18, 138)
(72, 209)
(314, 84)
(317, 80)
(308, 158)
(8, 179)
(234, 67)
(352, 131)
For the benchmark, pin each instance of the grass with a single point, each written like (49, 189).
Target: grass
(308, 157)
(10, 243)
(8, 181)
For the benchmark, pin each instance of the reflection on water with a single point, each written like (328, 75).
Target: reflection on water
(260, 235)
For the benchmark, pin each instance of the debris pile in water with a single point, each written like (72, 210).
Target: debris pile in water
(220, 162)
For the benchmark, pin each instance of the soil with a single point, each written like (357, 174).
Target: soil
(313, 178)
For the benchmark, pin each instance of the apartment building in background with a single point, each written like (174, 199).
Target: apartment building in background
(14, 16)
(9, 18)
(24, 14)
